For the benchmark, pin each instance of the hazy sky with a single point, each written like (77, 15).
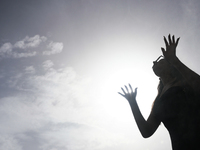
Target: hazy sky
(63, 62)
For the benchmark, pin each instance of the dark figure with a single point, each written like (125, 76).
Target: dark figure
(177, 104)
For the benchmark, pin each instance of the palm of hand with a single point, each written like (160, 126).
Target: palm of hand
(129, 96)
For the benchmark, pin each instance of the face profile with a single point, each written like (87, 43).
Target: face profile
(161, 66)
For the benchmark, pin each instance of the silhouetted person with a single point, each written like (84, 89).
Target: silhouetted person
(177, 104)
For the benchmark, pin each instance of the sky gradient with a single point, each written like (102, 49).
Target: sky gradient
(63, 62)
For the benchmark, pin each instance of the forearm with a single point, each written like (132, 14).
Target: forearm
(147, 128)
(144, 127)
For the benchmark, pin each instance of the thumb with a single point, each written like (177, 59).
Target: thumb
(163, 50)
(135, 91)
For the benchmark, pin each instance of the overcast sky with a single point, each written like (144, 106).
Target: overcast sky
(63, 62)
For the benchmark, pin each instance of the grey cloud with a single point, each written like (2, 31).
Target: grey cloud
(30, 69)
(20, 55)
(14, 79)
(8, 142)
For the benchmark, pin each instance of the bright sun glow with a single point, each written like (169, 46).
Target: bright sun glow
(118, 105)
(121, 68)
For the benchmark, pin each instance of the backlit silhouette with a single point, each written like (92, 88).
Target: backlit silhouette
(177, 103)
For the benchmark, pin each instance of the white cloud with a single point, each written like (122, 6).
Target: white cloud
(56, 97)
(29, 42)
(55, 48)
(6, 49)
(57, 90)
(58, 107)
(48, 64)
(27, 114)
(21, 48)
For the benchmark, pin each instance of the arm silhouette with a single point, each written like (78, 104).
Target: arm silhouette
(192, 78)
(146, 128)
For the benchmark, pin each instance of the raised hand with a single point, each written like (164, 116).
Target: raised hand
(170, 51)
(131, 97)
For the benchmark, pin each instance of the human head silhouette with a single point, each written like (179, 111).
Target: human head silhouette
(164, 70)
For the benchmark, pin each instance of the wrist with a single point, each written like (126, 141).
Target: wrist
(173, 60)
(132, 102)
